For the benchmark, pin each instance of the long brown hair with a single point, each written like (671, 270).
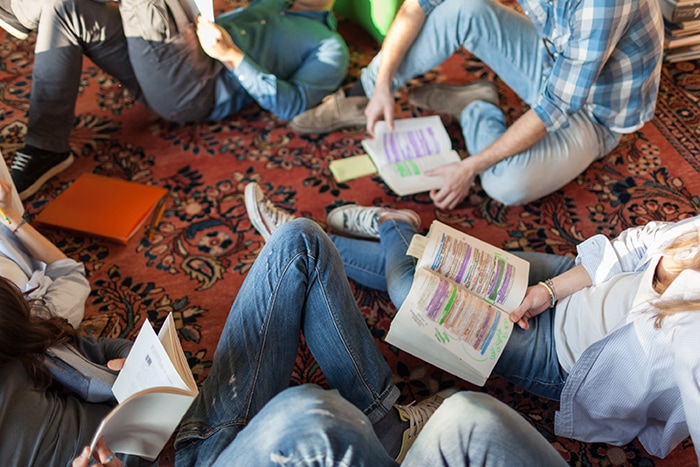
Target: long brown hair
(683, 245)
(27, 329)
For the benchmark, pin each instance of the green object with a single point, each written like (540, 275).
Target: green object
(375, 16)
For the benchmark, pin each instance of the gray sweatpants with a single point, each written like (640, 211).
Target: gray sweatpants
(149, 46)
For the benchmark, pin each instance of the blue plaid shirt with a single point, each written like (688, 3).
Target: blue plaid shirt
(604, 56)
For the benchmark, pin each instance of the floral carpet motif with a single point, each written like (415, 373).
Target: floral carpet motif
(195, 263)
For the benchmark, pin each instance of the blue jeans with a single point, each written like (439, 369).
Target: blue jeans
(296, 284)
(474, 429)
(506, 41)
(529, 360)
(309, 426)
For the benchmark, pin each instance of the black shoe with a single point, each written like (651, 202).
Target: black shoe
(10, 23)
(32, 167)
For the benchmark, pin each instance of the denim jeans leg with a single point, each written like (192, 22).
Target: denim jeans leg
(472, 428)
(395, 237)
(297, 283)
(502, 38)
(529, 359)
(307, 426)
(62, 40)
(363, 261)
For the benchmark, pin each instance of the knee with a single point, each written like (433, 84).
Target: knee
(300, 228)
(461, 10)
(509, 187)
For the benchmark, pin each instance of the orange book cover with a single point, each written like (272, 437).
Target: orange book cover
(106, 207)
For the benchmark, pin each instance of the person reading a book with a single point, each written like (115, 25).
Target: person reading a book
(611, 334)
(283, 55)
(36, 266)
(245, 412)
(589, 73)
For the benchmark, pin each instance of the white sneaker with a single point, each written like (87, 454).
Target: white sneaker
(363, 221)
(264, 215)
(417, 415)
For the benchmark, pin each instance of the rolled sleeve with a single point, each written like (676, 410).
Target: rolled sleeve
(428, 5)
(66, 289)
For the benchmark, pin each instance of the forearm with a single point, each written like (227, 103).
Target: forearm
(401, 35)
(570, 282)
(38, 246)
(520, 136)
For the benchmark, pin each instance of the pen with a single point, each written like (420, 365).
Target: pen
(7, 219)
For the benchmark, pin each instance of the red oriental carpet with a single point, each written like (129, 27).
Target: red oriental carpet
(205, 244)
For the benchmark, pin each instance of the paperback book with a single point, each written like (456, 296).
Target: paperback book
(154, 390)
(404, 154)
(456, 314)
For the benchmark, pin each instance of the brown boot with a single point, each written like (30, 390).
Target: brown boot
(449, 99)
(336, 111)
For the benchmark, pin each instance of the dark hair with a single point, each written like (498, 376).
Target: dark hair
(27, 329)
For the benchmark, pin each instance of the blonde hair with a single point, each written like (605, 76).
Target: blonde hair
(682, 245)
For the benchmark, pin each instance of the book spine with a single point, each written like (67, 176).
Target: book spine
(679, 13)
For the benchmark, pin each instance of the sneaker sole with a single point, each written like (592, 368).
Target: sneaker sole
(251, 206)
(53, 171)
(328, 129)
(13, 30)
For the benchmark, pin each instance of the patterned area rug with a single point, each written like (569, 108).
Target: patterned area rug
(205, 244)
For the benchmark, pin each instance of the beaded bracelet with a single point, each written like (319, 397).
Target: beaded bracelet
(19, 226)
(549, 285)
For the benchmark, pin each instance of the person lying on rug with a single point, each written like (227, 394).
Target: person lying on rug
(611, 335)
(245, 413)
(37, 267)
(283, 55)
(588, 70)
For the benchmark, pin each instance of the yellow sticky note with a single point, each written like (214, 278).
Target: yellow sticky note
(351, 168)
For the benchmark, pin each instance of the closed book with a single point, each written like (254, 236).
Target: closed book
(105, 207)
(678, 12)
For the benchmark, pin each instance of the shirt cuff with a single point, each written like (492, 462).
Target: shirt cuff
(599, 258)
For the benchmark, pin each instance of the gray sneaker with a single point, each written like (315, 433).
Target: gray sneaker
(363, 221)
(449, 99)
(264, 215)
(336, 111)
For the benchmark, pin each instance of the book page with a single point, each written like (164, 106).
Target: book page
(498, 277)
(143, 423)
(171, 343)
(408, 177)
(451, 328)
(412, 138)
(147, 365)
(15, 200)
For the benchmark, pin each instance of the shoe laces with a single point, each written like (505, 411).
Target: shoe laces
(273, 215)
(20, 161)
(417, 415)
(362, 220)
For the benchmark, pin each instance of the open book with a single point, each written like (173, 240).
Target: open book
(154, 390)
(402, 156)
(456, 313)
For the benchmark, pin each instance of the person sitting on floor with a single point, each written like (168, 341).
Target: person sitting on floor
(37, 267)
(588, 70)
(284, 56)
(611, 335)
(297, 284)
